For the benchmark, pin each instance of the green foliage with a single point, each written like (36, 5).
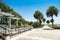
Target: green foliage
(47, 21)
(44, 20)
(14, 26)
(52, 20)
(55, 26)
(52, 10)
(38, 15)
(3, 20)
(30, 23)
(19, 23)
(23, 21)
(17, 26)
(37, 25)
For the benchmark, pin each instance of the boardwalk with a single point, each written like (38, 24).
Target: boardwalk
(38, 34)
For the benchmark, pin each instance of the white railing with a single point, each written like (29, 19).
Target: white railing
(13, 31)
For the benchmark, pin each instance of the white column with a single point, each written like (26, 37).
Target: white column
(17, 22)
(9, 22)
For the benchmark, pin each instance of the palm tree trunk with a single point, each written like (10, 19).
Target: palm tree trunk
(40, 22)
(52, 18)
(52, 22)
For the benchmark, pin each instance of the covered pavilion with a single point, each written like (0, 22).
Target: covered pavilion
(10, 17)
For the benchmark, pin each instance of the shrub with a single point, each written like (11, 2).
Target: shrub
(55, 26)
(37, 25)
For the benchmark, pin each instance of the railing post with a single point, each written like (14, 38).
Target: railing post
(7, 37)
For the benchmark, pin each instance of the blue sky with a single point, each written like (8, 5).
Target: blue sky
(26, 8)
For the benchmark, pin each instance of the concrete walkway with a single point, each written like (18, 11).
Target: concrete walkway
(38, 34)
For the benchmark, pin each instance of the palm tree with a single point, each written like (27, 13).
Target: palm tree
(52, 10)
(38, 15)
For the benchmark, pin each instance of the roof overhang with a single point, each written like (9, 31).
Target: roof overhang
(6, 14)
(9, 15)
(14, 18)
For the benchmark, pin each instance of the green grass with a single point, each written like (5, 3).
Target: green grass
(55, 26)
(38, 26)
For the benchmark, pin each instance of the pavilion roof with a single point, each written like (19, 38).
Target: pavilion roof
(6, 14)
(9, 15)
(14, 18)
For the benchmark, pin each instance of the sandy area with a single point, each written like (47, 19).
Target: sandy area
(38, 34)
